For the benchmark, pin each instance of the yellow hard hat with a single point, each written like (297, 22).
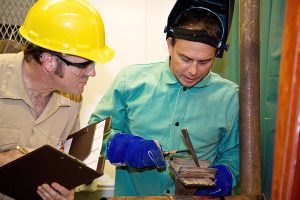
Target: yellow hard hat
(69, 27)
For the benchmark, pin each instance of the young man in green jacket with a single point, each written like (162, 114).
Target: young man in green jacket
(151, 103)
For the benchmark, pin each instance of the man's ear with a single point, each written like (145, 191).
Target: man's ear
(169, 42)
(46, 60)
(170, 45)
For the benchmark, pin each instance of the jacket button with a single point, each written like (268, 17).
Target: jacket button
(168, 191)
(177, 124)
(184, 89)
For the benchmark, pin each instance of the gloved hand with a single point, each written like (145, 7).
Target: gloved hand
(134, 151)
(223, 182)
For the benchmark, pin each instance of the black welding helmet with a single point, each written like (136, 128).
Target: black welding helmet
(222, 10)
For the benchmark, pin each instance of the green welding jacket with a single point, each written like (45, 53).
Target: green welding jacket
(148, 101)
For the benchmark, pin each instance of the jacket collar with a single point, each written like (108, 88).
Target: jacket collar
(169, 77)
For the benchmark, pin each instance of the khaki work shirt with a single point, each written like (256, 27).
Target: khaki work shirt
(19, 124)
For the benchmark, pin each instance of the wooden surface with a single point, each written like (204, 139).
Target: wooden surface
(158, 198)
(170, 197)
(286, 168)
(162, 198)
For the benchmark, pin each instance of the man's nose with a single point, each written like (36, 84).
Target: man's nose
(193, 68)
(90, 72)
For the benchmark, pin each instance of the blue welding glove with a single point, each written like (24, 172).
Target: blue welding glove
(135, 152)
(223, 182)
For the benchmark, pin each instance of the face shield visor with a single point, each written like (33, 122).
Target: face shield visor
(221, 10)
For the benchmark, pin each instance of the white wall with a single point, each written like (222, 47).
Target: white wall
(134, 29)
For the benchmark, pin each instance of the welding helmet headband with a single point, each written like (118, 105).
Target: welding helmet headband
(220, 10)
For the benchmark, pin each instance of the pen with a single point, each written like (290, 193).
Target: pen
(23, 150)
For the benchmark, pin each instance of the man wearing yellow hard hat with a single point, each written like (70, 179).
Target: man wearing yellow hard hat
(41, 87)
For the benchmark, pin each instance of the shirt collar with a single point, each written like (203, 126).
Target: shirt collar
(13, 86)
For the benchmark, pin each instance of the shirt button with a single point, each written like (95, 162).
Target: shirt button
(168, 191)
(177, 124)
(184, 89)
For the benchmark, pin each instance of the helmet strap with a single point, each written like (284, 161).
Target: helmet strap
(196, 36)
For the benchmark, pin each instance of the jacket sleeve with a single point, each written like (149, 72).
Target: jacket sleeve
(112, 104)
(228, 149)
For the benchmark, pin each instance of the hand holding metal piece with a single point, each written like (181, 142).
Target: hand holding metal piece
(167, 153)
(125, 149)
(190, 145)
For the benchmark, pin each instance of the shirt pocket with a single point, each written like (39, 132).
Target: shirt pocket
(9, 138)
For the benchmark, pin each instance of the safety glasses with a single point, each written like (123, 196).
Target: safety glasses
(82, 65)
(79, 69)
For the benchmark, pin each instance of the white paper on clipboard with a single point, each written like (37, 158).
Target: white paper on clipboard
(92, 160)
(86, 143)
